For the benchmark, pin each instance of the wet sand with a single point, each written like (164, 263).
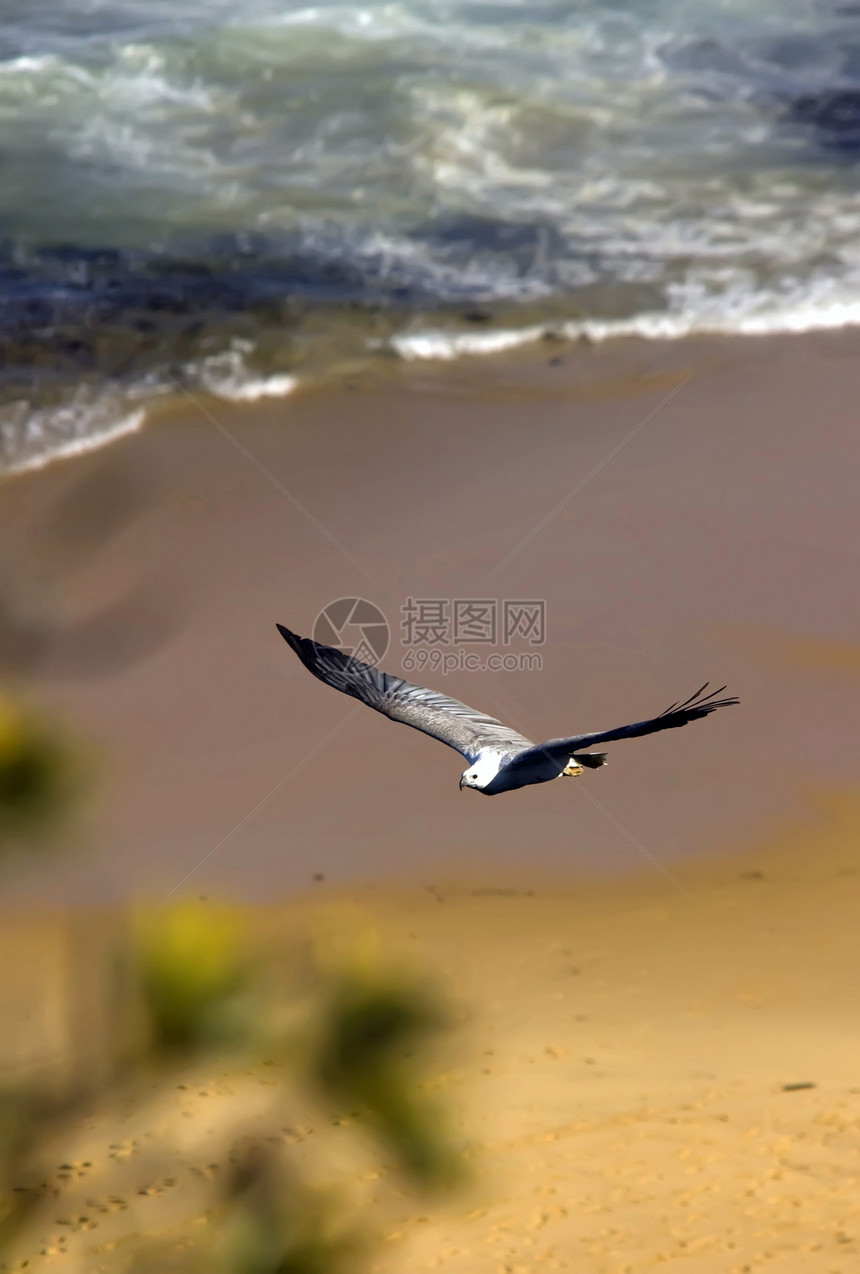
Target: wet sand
(142, 585)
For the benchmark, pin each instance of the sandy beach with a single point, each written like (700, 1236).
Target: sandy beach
(647, 1070)
(687, 510)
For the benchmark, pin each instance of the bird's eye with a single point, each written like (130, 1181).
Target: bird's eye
(473, 776)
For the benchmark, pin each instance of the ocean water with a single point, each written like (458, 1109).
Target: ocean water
(240, 194)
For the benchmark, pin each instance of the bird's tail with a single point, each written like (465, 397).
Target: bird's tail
(591, 760)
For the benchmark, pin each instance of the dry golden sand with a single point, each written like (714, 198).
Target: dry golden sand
(628, 1095)
(623, 1072)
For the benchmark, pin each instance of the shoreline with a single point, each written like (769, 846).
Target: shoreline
(688, 527)
(460, 343)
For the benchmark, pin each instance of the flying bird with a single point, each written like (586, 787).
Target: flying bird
(500, 759)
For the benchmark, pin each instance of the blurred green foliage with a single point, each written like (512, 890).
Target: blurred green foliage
(193, 986)
(196, 976)
(37, 772)
(372, 1031)
(280, 1226)
(204, 998)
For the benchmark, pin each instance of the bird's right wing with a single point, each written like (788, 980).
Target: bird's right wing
(445, 719)
(698, 705)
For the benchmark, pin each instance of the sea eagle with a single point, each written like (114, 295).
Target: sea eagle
(500, 759)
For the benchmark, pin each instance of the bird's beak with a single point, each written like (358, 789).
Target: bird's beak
(461, 783)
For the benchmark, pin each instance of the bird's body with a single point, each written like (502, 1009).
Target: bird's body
(496, 771)
(500, 759)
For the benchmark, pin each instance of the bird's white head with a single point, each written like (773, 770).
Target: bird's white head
(480, 774)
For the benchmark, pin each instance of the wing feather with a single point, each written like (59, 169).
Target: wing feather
(448, 720)
(698, 705)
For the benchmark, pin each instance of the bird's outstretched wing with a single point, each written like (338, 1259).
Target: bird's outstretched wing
(698, 705)
(447, 720)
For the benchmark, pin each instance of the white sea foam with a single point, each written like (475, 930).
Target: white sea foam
(435, 343)
(251, 391)
(31, 437)
(81, 442)
(380, 23)
(439, 344)
(227, 375)
(29, 65)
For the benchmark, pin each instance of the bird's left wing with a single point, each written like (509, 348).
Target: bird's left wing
(445, 719)
(698, 705)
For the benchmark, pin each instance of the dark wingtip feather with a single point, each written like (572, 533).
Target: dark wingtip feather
(699, 705)
(292, 639)
(702, 707)
(300, 645)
